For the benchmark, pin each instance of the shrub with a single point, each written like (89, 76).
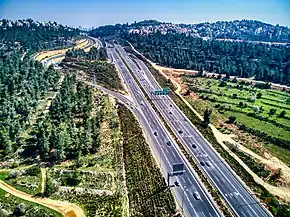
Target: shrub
(282, 114)
(235, 80)
(33, 171)
(272, 111)
(19, 210)
(232, 119)
(259, 95)
(13, 174)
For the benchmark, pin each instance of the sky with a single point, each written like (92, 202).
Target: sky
(93, 13)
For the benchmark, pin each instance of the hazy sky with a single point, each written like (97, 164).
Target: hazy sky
(88, 13)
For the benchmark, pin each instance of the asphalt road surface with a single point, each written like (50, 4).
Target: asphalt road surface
(166, 154)
(235, 193)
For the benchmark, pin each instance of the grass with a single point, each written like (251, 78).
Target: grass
(9, 202)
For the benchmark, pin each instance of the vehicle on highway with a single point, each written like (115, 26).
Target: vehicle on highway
(208, 164)
(196, 195)
(180, 131)
(170, 113)
(193, 145)
(176, 183)
(155, 133)
(202, 163)
(168, 143)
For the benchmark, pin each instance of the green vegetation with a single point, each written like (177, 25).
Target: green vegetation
(22, 85)
(13, 206)
(27, 180)
(45, 36)
(148, 193)
(104, 73)
(277, 208)
(93, 54)
(94, 181)
(246, 103)
(243, 59)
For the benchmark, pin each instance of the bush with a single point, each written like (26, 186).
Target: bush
(272, 111)
(19, 210)
(13, 174)
(72, 179)
(282, 114)
(235, 96)
(33, 171)
(259, 95)
(232, 119)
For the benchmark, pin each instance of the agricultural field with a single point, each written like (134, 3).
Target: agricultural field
(147, 191)
(14, 206)
(263, 114)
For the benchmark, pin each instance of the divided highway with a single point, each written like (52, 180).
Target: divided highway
(190, 193)
(241, 201)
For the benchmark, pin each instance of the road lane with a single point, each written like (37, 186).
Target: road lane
(192, 207)
(240, 200)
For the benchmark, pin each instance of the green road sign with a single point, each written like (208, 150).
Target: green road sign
(164, 91)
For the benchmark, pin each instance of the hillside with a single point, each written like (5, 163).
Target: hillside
(34, 35)
(250, 30)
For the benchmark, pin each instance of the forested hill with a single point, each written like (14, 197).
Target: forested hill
(250, 30)
(264, 62)
(29, 34)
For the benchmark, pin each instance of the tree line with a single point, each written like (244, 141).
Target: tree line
(28, 34)
(263, 62)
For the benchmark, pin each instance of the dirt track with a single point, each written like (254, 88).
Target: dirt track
(65, 208)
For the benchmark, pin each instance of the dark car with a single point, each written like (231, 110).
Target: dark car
(180, 131)
(155, 133)
(202, 163)
(168, 143)
(193, 145)
(208, 164)
(176, 183)
(196, 195)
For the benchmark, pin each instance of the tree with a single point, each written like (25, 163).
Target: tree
(206, 117)
(235, 96)
(228, 75)
(51, 186)
(232, 119)
(282, 114)
(19, 210)
(259, 95)
(272, 111)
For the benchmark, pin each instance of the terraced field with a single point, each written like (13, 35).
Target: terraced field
(263, 113)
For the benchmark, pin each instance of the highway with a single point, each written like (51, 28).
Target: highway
(234, 192)
(166, 154)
